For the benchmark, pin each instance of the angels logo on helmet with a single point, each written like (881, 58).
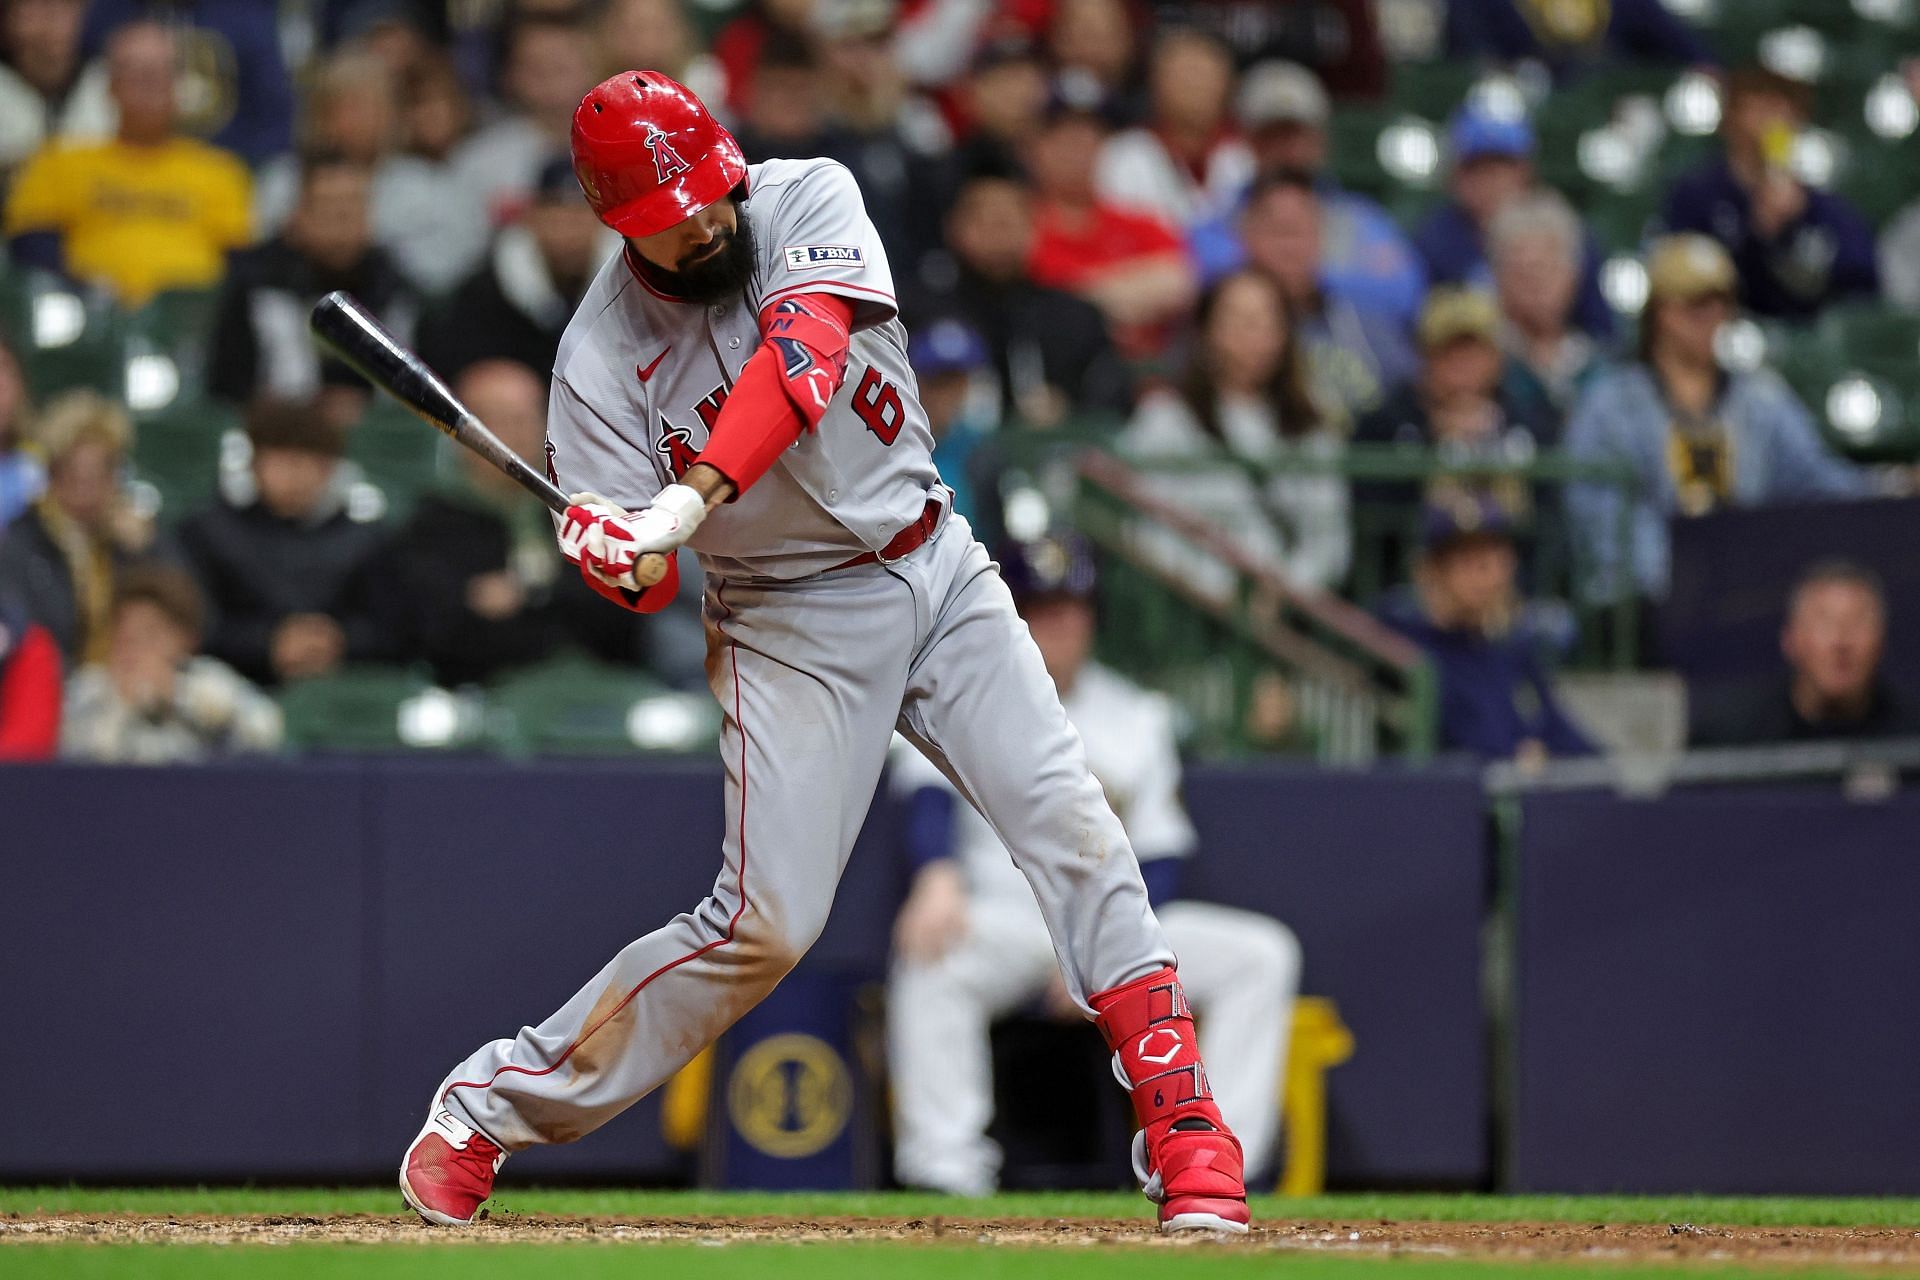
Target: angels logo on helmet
(666, 161)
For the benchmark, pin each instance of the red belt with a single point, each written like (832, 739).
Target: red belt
(904, 543)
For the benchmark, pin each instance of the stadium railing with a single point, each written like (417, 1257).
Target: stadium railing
(1254, 661)
(1259, 664)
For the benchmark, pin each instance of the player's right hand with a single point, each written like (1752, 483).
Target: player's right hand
(608, 543)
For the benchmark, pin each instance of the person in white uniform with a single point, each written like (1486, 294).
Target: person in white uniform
(970, 943)
(736, 381)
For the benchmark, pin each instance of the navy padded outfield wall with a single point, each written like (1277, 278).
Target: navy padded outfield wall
(257, 971)
(1716, 993)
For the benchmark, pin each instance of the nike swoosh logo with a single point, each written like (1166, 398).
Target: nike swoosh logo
(646, 371)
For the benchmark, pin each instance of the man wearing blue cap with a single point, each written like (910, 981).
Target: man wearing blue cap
(947, 355)
(1465, 612)
(1492, 165)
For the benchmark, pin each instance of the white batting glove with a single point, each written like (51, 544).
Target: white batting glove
(608, 542)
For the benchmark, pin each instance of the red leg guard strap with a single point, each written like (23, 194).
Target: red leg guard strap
(1149, 1028)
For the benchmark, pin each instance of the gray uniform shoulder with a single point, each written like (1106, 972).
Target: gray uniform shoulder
(777, 180)
(595, 312)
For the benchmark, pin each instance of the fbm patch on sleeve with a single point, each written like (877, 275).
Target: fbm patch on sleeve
(801, 256)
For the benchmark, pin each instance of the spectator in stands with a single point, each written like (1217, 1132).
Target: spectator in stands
(516, 306)
(1465, 612)
(1338, 39)
(237, 93)
(1694, 435)
(1571, 38)
(548, 66)
(401, 33)
(1535, 247)
(939, 41)
(1130, 264)
(1457, 403)
(788, 115)
(432, 214)
(895, 144)
(22, 477)
(1491, 157)
(146, 211)
(351, 110)
(1457, 406)
(46, 90)
(1185, 164)
(1798, 249)
(657, 34)
(1051, 352)
(1002, 103)
(155, 699)
(261, 346)
(476, 561)
(426, 208)
(948, 359)
(1833, 639)
(1245, 396)
(1096, 53)
(1355, 353)
(970, 945)
(59, 558)
(478, 577)
(740, 45)
(1364, 255)
(29, 687)
(292, 580)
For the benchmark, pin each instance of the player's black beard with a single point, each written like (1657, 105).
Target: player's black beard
(722, 273)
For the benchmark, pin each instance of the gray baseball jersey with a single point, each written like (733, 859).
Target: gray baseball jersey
(641, 377)
(814, 669)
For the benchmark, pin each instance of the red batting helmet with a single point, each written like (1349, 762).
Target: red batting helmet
(649, 154)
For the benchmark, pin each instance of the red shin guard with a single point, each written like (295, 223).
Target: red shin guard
(1185, 1155)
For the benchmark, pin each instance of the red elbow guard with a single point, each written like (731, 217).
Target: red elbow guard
(784, 388)
(811, 335)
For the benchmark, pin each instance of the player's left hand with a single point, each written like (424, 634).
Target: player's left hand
(609, 542)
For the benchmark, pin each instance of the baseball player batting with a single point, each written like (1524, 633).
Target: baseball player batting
(736, 381)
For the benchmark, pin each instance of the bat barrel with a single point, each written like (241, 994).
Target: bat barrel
(356, 335)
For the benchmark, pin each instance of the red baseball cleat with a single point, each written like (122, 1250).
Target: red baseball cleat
(1187, 1160)
(447, 1173)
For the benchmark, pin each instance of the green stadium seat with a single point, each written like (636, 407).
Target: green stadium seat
(575, 706)
(64, 339)
(1355, 134)
(1431, 89)
(1621, 222)
(376, 709)
(178, 452)
(177, 326)
(398, 453)
(1873, 337)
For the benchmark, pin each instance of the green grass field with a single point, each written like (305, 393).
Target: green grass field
(360, 1232)
(568, 1202)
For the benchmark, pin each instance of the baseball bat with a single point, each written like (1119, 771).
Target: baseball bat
(357, 337)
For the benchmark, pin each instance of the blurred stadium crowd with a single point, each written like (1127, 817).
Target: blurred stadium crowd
(1579, 268)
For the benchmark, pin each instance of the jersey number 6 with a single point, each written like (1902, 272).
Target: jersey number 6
(877, 401)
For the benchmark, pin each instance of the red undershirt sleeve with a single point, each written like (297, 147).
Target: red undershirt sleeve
(647, 600)
(759, 420)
